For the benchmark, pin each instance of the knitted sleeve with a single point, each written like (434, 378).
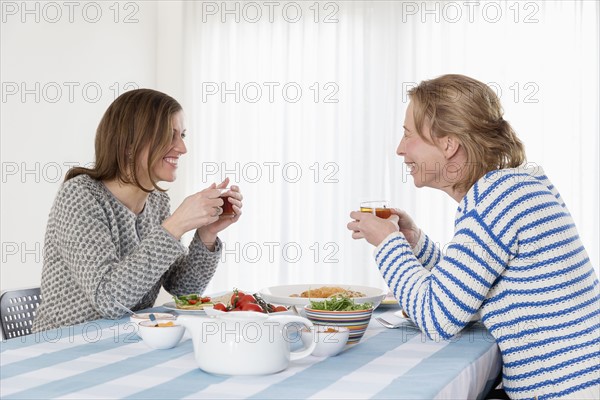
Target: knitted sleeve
(442, 300)
(83, 230)
(191, 273)
(427, 252)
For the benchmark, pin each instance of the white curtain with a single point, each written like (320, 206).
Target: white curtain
(304, 113)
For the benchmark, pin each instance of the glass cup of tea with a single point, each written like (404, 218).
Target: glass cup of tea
(227, 206)
(379, 208)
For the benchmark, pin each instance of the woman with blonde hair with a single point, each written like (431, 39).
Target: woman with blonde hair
(516, 256)
(111, 240)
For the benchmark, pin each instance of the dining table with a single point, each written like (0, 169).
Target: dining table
(107, 359)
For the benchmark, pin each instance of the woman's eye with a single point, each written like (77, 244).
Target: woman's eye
(183, 135)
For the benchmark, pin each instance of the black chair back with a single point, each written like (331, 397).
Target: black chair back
(17, 310)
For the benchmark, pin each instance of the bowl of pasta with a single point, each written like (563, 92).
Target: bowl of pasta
(301, 295)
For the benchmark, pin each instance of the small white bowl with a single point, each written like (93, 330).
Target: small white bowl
(160, 337)
(139, 317)
(328, 343)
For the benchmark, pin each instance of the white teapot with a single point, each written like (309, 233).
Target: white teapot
(244, 342)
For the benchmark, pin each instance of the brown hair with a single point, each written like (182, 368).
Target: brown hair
(136, 120)
(462, 107)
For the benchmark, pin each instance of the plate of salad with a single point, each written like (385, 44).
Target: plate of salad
(189, 303)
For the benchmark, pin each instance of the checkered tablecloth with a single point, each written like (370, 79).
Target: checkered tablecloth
(106, 359)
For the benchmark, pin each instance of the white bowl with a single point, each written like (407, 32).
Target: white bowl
(281, 294)
(160, 337)
(139, 317)
(328, 343)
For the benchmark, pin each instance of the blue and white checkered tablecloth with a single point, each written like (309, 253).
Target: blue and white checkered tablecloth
(106, 359)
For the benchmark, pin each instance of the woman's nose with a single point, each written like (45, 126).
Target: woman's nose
(180, 145)
(400, 150)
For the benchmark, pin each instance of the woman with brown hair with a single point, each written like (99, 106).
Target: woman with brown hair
(111, 241)
(515, 258)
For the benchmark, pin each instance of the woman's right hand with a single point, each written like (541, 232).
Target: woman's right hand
(407, 226)
(200, 209)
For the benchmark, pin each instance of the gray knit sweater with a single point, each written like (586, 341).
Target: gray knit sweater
(97, 250)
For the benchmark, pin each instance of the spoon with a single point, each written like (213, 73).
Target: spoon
(123, 307)
(151, 316)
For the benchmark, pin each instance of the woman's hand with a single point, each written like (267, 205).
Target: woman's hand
(372, 228)
(411, 232)
(208, 233)
(196, 211)
(375, 229)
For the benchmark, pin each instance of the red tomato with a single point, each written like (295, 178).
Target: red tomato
(237, 294)
(220, 307)
(192, 301)
(252, 307)
(205, 299)
(246, 299)
(279, 308)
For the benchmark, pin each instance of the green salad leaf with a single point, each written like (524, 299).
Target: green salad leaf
(339, 302)
(185, 299)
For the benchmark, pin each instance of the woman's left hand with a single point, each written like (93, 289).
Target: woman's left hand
(370, 227)
(208, 233)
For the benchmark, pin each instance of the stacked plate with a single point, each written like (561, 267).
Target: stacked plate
(355, 321)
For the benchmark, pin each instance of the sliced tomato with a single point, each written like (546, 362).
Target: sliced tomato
(192, 301)
(279, 308)
(220, 307)
(205, 299)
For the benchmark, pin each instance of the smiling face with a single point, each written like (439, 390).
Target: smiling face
(424, 159)
(165, 170)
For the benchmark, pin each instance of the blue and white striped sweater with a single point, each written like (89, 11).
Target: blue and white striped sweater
(516, 256)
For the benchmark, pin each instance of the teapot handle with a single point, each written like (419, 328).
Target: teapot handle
(285, 319)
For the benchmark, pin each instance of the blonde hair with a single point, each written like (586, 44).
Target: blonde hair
(136, 120)
(468, 110)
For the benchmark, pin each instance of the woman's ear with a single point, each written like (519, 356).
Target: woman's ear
(450, 146)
